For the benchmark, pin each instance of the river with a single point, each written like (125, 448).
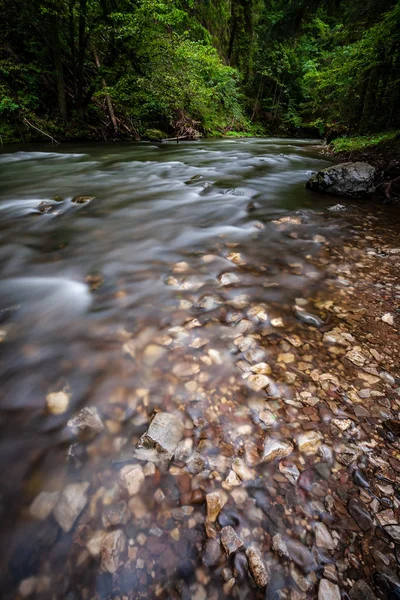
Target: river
(200, 282)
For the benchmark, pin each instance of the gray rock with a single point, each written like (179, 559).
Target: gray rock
(86, 425)
(44, 504)
(351, 180)
(323, 538)
(230, 540)
(212, 553)
(361, 591)
(164, 433)
(328, 590)
(73, 500)
(293, 550)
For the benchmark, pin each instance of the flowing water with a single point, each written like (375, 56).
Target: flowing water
(169, 287)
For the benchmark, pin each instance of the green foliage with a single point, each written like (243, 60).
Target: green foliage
(352, 144)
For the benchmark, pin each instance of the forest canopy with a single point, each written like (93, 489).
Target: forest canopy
(128, 69)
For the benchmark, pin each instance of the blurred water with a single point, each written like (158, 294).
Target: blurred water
(86, 287)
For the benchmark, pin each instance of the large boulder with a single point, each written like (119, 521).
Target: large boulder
(351, 180)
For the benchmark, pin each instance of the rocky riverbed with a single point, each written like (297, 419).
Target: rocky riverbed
(247, 446)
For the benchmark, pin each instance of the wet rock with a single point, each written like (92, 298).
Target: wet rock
(242, 470)
(164, 433)
(361, 591)
(116, 514)
(276, 449)
(293, 550)
(133, 478)
(230, 540)
(328, 590)
(257, 566)
(86, 425)
(112, 547)
(72, 501)
(28, 586)
(323, 538)
(212, 553)
(82, 199)
(360, 514)
(337, 208)
(228, 279)
(351, 180)
(57, 402)
(307, 317)
(215, 502)
(258, 382)
(291, 472)
(309, 442)
(394, 532)
(43, 504)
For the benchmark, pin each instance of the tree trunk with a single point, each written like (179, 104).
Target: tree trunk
(81, 57)
(108, 99)
(62, 99)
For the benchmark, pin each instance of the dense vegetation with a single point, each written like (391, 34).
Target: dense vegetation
(106, 69)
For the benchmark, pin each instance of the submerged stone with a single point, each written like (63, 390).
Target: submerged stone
(257, 566)
(164, 433)
(72, 501)
(87, 424)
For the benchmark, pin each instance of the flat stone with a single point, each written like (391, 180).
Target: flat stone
(309, 442)
(164, 433)
(86, 425)
(113, 545)
(276, 449)
(43, 504)
(230, 540)
(291, 472)
(293, 550)
(360, 514)
(133, 478)
(361, 591)
(257, 566)
(323, 538)
(328, 590)
(72, 501)
(215, 503)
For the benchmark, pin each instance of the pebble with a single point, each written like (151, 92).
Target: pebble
(212, 553)
(113, 545)
(388, 318)
(291, 472)
(323, 538)
(72, 501)
(258, 382)
(360, 514)
(44, 504)
(133, 478)
(57, 402)
(257, 566)
(215, 503)
(276, 449)
(230, 540)
(328, 590)
(309, 442)
(293, 550)
(86, 425)
(242, 470)
(228, 279)
(164, 433)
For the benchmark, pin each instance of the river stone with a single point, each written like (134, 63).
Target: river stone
(257, 566)
(113, 545)
(309, 442)
(133, 478)
(72, 501)
(361, 591)
(323, 538)
(212, 553)
(293, 550)
(44, 504)
(230, 540)
(215, 503)
(276, 449)
(164, 433)
(328, 590)
(360, 514)
(351, 180)
(86, 425)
